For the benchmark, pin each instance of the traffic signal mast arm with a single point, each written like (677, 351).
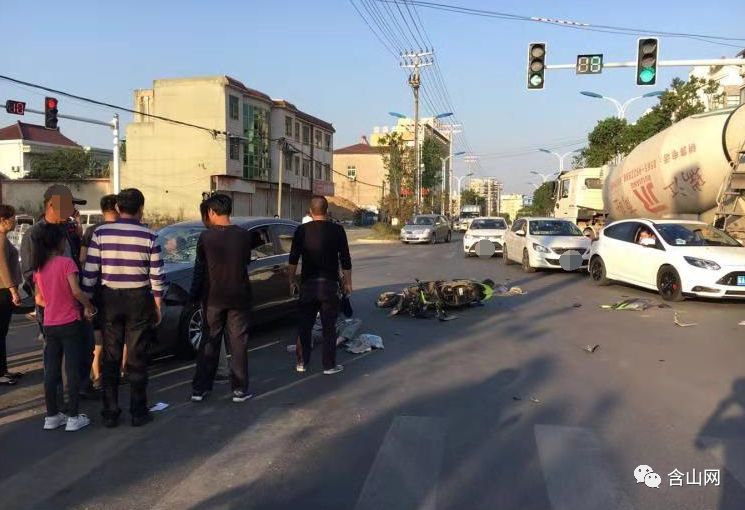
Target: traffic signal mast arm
(665, 63)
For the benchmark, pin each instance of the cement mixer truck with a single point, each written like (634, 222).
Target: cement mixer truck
(694, 169)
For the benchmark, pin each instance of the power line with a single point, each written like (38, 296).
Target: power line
(562, 23)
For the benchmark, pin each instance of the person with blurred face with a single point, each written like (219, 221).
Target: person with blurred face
(10, 279)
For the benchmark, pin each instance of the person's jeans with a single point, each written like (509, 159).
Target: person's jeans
(318, 295)
(86, 357)
(62, 341)
(128, 317)
(233, 325)
(6, 313)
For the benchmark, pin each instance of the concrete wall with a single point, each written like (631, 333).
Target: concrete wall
(369, 170)
(26, 195)
(11, 159)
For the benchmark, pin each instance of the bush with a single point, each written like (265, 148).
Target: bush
(385, 231)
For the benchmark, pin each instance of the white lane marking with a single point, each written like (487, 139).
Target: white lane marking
(576, 472)
(406, 469)
(240, 462)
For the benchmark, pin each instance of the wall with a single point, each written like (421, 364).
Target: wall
(11, 158)
(369, 170)
(26, 195)
(511, 203)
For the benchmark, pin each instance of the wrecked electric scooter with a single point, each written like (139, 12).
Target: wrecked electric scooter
(434, 298)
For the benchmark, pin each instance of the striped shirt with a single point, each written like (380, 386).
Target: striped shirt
(123, 255)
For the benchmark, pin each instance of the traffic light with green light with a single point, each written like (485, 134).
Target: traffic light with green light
(50, 112)
(536, 65)
(646, 61)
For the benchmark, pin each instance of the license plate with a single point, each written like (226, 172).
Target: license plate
(741, 280)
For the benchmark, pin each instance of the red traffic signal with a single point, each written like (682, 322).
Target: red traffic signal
(50, 112)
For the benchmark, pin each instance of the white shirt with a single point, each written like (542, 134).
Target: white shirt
(307, 218)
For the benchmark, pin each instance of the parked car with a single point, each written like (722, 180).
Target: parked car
(490, 228)
(180, 331)
(676, 258)
(426, 228)
(540, 242)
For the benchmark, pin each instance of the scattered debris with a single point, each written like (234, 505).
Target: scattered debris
(664, 305)
(516, 397)
(397, 333)
(741, 323)
(365, 343)
(661, 360)
(677, 322)
(535, 400)
(591, 348)
(447, 317)
(632, 304)
(577, 305)
(291, 348)
(160, 406)
(506, 290)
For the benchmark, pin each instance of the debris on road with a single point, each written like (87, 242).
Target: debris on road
(447, 317)
(535, 400)
(365, 343)
(291, 348)
(428, 299)
(664, 305)
(160, 406)
(591, 348)
(741, 323)
(506, 290)
(631, 304)
(577, 305)
(516, 397)
(677, 322)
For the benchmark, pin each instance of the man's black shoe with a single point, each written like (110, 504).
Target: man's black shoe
(139, 421)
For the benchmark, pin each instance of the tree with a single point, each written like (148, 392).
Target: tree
(606, 141)
(470, 197)
(506, 217)
(398, 163)
(543, 199)
(65, 165)
(432, 153)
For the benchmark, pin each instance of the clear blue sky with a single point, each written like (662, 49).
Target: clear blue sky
(322, 57)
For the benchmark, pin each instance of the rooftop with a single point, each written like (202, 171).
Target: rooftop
(35, 133)
(358, 148)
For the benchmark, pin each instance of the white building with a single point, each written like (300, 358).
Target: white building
(730, 80)
(511, 203)
(20, 142)
(491, 189)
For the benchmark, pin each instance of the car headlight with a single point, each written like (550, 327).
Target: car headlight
(468, 236)
(427, 231)
(540, 249)
(703, 263)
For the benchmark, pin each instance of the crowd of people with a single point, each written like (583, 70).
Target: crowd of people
(98, 298)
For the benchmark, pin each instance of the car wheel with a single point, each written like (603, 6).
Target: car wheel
(669, 285)
(505, 258)
(597, 271)
(190, 332)
(449, 237)
(526, 262)
(466, 254)
(434, 238)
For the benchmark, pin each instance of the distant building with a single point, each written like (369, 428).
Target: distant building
(731, 82)
(490, 189)
(175, 164)
(20, 142)
(511, 203)
(359, 175)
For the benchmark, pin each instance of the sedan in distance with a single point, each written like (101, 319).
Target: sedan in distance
(540, 243)
(489, 228)
(674, 257)
(426, 228)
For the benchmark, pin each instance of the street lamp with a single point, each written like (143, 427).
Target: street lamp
(442, 189)
(544, 177)
(560, 156)
(621, 108)
(535, 186)
(460, 179)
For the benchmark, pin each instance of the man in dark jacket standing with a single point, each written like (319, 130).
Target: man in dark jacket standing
(322, 246)
(221, 286)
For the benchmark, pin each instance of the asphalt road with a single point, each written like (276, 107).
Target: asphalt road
(501, 408)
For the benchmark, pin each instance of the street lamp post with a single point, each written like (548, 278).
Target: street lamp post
(460, 179)
(544, 177)
(560, 156)
(621, 108)
(442, 190)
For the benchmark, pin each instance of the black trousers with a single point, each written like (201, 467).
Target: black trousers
(6, 312)
(62, 341)
(232, 325)
(128, 318)
(315, 296)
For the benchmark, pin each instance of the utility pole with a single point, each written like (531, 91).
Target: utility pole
(414, 61)
(281, 147)
(116, 172)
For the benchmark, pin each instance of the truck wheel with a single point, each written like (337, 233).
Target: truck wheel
(669, 285)
(505, 258)
(526, 262)
(597, 272)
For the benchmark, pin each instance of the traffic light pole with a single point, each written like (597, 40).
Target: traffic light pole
(665, 63)
(114, 125)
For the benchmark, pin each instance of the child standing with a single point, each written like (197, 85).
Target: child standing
(57, 289)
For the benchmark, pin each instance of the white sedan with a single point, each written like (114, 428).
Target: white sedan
(673, 257)
(491, 229)
(540, 242)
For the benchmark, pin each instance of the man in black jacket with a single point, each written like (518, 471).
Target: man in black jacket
(322, 245)
(221, 286)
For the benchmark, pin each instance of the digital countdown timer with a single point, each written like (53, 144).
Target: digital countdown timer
(15, 107)
(589, 64)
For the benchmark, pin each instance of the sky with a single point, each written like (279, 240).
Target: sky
(321, 56)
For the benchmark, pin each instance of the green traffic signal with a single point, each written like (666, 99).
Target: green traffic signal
(536, 65)
(646, 61)
(647, 74)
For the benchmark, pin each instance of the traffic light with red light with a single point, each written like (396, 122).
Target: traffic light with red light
(50, 112)
(536, 65)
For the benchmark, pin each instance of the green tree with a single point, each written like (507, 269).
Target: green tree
(606, 141)
(398, 163)
(543, 200)
(470, 197)
(432, 153)
(64, 165)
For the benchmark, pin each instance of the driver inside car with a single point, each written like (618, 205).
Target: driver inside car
(646, 238)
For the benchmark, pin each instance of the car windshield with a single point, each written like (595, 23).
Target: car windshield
(694, 234)
(178, 244)
(467, 215)
(422, 220)
(488, 225)
(553, 228)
